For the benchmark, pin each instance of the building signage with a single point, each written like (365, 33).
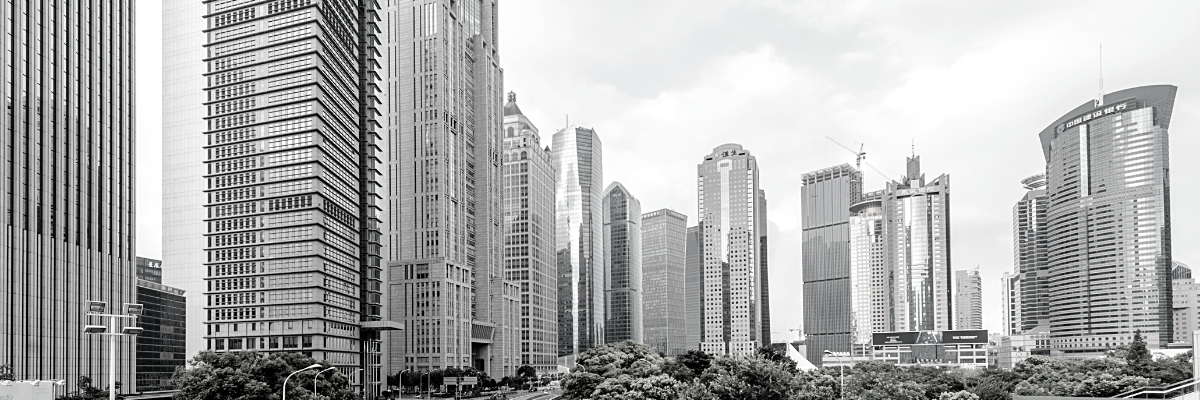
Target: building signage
(1097, 113)
(929, 337)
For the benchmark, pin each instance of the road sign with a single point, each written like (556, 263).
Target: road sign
(96, 307)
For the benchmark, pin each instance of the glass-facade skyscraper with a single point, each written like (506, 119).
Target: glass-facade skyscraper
(1109, 222)
(67, 172)
(664, 260)
(870, 297)
(444, 123)
(579, 248)
(529, 259)
(1030, 246)
(693, 303)
(968, 300)
(729, 201)
(826, 198)
(918, 253)
(623, 263)
(292, 180)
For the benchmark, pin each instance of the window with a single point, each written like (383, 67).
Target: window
(289, 111)
(290, 18)
(290, 49)
(234, 17)
(232, 91)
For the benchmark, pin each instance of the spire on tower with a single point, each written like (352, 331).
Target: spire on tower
(1100, 98)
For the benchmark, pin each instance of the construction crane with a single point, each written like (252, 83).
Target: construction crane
(858, 155)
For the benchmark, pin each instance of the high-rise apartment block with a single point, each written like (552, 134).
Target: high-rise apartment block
(579, 244)
(729, 209)
(870, 310)
(1030, 246)
(693, 303)
(623, 263)
(918, 234)
(664, 263)
(444, 250)
(1109, 227)
(67, 171)
(825, 200)
(529, 259)
(183, 111)
(291, 181)
(968, 300)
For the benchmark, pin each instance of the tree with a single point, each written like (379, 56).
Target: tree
(687, 366)
(527, 371)
(771, 354)
(1138, 360)
(754, 377)
(959, 395)
(88, 392)
(248, 375)
(6, 373)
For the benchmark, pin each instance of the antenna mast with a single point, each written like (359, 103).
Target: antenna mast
(1100, 98)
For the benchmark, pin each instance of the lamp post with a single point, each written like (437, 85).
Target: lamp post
(97, 308)
(424, 375)
(293, 373)
(841, 372)
(401, 379)
(318, 375)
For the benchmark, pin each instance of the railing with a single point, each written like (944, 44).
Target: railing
(1161, 392)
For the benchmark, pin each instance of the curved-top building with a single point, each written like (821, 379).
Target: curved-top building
(1109, 227)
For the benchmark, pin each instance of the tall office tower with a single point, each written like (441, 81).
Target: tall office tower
(183, 112)
(870, 305)
(1185, 301)
(1010, 291)
(623, 264)
(529, 236)
(729, 237)
(1030, 246)
(579, 240)
(918, 232)
(825, 200)
(968, 300)
(664, 263)
(693, 303)
(292, 181)
(764, 282)
(68, 186)
(1109, 229)
(444, 134)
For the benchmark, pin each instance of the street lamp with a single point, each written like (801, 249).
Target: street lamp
(97, 308)
(290, 377)
(419, 381)
(318, 375)
(841, 372)
(402, 383)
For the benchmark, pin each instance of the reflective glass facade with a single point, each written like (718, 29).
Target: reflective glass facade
(1109, 229)
(664, 260)
(160, 347)
(67, 179)
(968, 300)
(623, 262)
(826, 197)
(291, 180)
(693, 303)
(870, 298)
(579, 243)
(445, 252)
(529, 236)
(728, 205)
(1030, 247)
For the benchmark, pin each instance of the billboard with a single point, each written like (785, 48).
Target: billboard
(930, 337)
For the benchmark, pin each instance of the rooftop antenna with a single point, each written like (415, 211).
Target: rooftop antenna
(914, 147)
(1100, 98)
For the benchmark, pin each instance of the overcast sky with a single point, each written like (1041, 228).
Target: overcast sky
(663, 82)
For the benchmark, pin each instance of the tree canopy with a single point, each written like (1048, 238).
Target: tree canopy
(249, 375)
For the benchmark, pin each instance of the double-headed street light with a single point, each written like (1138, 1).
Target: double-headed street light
(318, 375)
(293, 373)
(841, 372)
(402, 383)
(97, 308)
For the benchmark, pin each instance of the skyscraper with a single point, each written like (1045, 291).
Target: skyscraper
(870, 295)
(623, 262)
(444, 134)
(579, 231)
(529, 236)
(825, 200)
(968, 300)
(184, 197)
(1109, 225)
(67, 170)
(664, 261)
(1186, 303)
(918, 253)
(1030, 245)
(1010, 292)
(763, 281)
(693, 303)
(729, 201)
(292, 181)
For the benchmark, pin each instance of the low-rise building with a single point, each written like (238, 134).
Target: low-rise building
(955, 349)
